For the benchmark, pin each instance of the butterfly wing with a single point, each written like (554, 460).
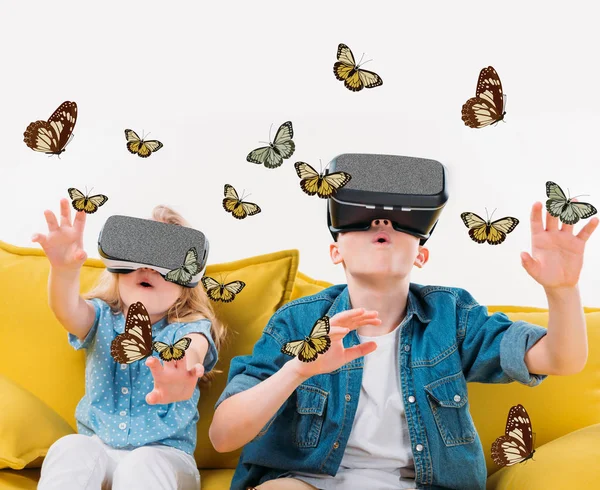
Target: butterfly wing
(320, 328)
(309, 176)
(261, 155)
(184, 274)
(500, 228)
(369, 79)
(345, 69)
(477, 227)
(146, 148)
(52, 136)
(517, 443)
(159, 346)
(78, 199)
(136, 342)
(308, 353)
(229, 291)
(282, 144)
(487, 107)
(246, 209)
(178, 349)
(133, 141)
(293, 348)
(329, 184)
(213, 288)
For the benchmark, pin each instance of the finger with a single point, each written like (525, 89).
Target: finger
(531, 265)
(79, 223)
(65, 213)
(80, 255)
(346, 315)
(154, 365)
(336, 333)
(153, 397)
(198, 370)
(51, 220)
(551, 222)
(588, 229)
(359, 350)
(536, 218)
(39, 238)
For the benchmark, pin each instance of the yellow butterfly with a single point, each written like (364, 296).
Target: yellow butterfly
(233, 204)
(218, 291)
(174, 352)
(89, 204)
(348, 71)
(324, 185)
(308, 349)
(137, 145)
(494, 233)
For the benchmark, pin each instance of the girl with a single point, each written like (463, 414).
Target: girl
(136, 422)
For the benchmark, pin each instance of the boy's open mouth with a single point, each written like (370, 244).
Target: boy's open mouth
(381, 238)
(145, 284)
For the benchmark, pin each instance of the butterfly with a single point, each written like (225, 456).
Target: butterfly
(173, 352)
(282, 147)
(348, 71)
(218, 291)
(318, 342)
(233, 204)
(488, 105)
(324, 185)
(494, 233)
(143, 148)
(136, 342)
(184, 274)
(517, 445)
(89, 204)
(560, 207)
(53, 135)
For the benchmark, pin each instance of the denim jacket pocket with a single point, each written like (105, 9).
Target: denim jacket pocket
(448, 401)
(310, 406)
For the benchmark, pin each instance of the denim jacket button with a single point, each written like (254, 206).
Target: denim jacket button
(419, 447)
(348, 398)
(406, 348)
(456, 398)
(336, 445)
(411, 399)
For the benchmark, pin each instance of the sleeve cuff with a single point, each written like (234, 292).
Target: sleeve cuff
(202, 327)
(239, 383)
(516, 341)
(78, 344)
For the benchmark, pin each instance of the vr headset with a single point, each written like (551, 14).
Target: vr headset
(126, 244)
(410, 192)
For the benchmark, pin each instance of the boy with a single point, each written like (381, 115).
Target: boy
(386, 406)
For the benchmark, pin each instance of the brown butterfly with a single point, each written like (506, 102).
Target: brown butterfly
(136, 342)
(517, 445)
(487, 107)
(53, 135)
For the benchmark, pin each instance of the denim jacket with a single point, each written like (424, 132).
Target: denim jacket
(446, 340)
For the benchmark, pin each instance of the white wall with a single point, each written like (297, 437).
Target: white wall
(209, 78)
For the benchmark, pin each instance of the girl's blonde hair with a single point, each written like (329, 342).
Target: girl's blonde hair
(193, 303)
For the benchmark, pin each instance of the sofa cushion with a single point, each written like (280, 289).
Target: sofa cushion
(28, 427)
(570, 461)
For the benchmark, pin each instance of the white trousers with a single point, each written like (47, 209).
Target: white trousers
(79, 462)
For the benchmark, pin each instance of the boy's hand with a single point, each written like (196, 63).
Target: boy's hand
(173, 381)
(338, 355)
(557, 254)
(64, 244)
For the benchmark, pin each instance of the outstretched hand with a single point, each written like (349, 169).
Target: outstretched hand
(556, 254)
(173, 381)
(337, 355)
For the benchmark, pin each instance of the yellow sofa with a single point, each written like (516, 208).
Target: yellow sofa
(42, 378)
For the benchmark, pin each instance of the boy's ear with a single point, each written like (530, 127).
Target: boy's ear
(422, 257)
(334, 253)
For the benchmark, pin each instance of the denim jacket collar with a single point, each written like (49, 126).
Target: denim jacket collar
(413, 307)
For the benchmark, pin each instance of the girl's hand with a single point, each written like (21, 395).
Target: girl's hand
(337, 355)
(557, 255)
(64, 244)
(173, 382)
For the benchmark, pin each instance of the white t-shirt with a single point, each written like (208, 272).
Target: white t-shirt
(378, 454)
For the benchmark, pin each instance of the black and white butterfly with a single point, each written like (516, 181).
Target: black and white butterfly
(183, 275)
(53, 135)
(516, 445)
(282, 147)
(568, 211)
(489, 104)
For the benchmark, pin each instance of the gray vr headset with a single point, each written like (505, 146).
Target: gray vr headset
(126, 244)
(410, 192)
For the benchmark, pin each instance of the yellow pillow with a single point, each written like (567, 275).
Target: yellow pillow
(306, 286)
(28, 427)
(269, 281)
(570, 462)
